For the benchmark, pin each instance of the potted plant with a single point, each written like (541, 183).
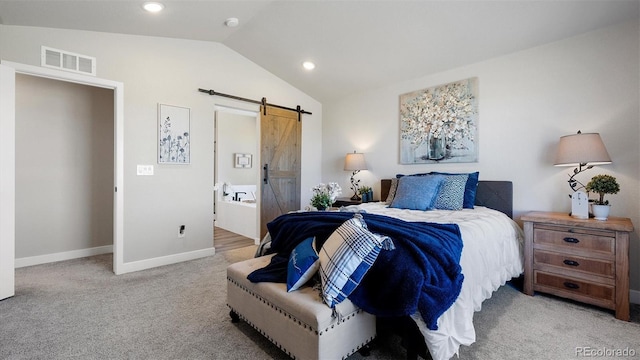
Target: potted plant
(602, 184)
(321, 201)
(366, 193)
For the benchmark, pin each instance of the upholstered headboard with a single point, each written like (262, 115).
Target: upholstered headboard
(497, 195)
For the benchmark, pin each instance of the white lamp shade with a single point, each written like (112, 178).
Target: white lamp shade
(354, 161)
(582, 149)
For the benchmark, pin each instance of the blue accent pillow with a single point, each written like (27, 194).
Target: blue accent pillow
(346, 256)
(417, 192)
(303, 264)
(451, 193)
(470, 188)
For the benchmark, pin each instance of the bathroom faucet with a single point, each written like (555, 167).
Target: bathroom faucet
(236, 198)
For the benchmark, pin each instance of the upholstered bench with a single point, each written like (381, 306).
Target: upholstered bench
(298, 322)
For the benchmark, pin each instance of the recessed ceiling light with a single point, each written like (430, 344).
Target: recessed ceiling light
(308, 65)
(153, 6)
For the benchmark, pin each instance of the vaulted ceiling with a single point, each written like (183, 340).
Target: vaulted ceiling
(356, 45)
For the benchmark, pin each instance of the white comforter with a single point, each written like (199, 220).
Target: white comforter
(491, 255)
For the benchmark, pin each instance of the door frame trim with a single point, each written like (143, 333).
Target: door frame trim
(7, 182)
(118, 103)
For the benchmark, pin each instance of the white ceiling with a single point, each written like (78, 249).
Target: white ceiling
(357, 45)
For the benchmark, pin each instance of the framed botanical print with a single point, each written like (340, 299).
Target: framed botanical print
(174, 137)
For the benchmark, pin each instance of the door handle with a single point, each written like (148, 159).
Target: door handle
(570, 285)
(265, 179)
(571, 263)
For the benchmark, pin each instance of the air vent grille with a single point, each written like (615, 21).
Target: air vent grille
(65, 60)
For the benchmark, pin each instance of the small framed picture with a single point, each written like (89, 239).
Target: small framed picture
(243, 160)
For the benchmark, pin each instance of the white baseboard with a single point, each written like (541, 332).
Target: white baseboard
(126, 267)
(634, 296)
(164, 260)
(62, 256)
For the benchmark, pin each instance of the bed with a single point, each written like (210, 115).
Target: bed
(492, 262)
(490, 255)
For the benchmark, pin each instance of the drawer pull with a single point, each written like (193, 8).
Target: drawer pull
(571, 240)
(570, 285)
(571, 263)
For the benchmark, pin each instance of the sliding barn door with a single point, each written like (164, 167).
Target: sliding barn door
(281, 137)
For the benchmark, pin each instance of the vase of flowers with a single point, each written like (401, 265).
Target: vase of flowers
(602, 184)
(324, 195)
(437, 149)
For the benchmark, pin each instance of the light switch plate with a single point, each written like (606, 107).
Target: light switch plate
(145, 170)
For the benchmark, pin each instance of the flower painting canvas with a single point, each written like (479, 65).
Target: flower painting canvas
(174, 138)
(439, 124)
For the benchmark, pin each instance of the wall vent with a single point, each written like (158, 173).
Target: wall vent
(65, 60)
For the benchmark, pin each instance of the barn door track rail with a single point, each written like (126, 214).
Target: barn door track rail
(263, 102)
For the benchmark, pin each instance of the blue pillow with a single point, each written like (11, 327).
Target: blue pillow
(417, 192)
(303, 264)
(346, 256)
(470, 188)
(451, 193)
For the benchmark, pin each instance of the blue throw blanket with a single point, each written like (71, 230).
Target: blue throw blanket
(422, 273)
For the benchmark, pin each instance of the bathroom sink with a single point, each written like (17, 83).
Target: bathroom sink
(249, 201)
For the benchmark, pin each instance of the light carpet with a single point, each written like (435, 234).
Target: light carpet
(79, 309)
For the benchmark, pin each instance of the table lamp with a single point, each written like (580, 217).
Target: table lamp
(583, 151)
(354, 162)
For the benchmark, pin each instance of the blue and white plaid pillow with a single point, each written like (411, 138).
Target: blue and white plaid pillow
(346, 257)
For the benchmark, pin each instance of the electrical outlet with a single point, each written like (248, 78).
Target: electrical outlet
(181, 231)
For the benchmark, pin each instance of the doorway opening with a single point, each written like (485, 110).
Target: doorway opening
(64, 170)
(236, 176)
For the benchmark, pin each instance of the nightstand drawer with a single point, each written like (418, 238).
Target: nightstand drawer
(574, 263)
(567, 237)
(578, 288)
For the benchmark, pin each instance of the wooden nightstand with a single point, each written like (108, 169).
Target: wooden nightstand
(346, 202)
(582, 260)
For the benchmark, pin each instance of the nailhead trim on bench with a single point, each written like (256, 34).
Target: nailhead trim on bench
(286, 314)
(293, 319)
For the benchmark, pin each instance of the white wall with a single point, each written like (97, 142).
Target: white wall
(237, 134)
(527, 100)
(169, 71)
(64, 166)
